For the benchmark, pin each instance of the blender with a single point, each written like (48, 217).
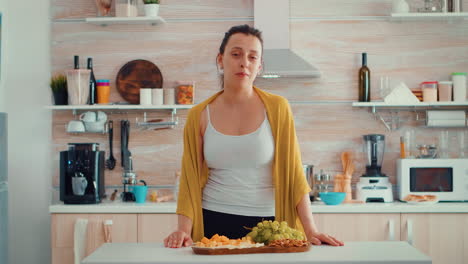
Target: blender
(374, 186)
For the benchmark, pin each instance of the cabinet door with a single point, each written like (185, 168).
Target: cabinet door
(360, 227)
(62, 230)
(155, 227)
(123, 229)
(444, 237)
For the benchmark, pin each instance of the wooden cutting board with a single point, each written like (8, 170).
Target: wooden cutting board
(137, 74)
(226, 251)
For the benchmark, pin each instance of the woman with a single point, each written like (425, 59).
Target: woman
(241, 161)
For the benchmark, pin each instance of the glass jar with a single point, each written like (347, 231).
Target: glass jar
(431, 6)
(429, 90)
(445, 91)
(126, 8)
(185, 92)
(104, 7)
(459, 86)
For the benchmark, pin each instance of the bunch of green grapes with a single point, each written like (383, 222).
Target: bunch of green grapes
(268, 231)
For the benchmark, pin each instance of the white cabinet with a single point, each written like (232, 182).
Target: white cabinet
(155, 227)
(444, 237)
(123, 229)
(360, 227)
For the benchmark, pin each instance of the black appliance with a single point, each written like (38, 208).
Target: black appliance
(82, 174)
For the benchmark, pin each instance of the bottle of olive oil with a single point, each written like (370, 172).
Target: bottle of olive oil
(364, 80)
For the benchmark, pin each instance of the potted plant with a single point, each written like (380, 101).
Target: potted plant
(58, 84)
(151, 8)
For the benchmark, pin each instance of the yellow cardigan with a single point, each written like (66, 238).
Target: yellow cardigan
(288, 176)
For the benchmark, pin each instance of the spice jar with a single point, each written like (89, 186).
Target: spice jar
(185, 92)
(445, 91)
(429, 91)
(459, 86)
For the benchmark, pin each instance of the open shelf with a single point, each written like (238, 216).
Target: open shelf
(421, 104)
(105, 21)
(429, 16)
(118, 107)
(393, 121)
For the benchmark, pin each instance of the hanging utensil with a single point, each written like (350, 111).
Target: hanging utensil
(110, 163)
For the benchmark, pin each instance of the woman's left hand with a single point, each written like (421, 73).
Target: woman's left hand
(319, 238)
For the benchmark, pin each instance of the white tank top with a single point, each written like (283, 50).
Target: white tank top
(240, 177)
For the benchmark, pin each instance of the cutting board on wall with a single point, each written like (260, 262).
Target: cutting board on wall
(137, 74)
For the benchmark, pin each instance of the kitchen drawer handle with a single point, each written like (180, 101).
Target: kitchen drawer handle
(409, 231)
(391, 230)
(108, 231)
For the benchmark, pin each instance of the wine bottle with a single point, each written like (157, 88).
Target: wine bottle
(92, 84)
(364, 80)
(76, 62)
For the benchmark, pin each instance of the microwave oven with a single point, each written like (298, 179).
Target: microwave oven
(445, 178)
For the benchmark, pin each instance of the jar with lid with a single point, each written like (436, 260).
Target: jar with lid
(185, 92)
(431, 6)
(126, 8)
(321, 183)
(445, 91)
(459, 86)
(429, 90)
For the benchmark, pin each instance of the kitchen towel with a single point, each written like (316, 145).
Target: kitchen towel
(79, 237)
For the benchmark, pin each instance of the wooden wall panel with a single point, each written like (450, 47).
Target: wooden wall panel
(185, 49)
(340, 8)
(185, 9)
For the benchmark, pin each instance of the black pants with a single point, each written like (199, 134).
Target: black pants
(229, 225)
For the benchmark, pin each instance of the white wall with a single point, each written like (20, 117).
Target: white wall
(25, 87)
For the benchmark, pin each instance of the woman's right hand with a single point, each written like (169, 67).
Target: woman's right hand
(178, 239)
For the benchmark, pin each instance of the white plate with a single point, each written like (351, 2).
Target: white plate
(422, 203)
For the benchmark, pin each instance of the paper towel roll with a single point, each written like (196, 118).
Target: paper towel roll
(79, 237)
(446, 118)
(446, 115)
(446, 123)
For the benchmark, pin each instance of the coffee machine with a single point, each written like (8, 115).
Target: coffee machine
(82, 174)
(374, 186)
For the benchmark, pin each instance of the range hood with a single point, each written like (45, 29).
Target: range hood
(272, 18)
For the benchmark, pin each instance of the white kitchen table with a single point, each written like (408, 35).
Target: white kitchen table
(385, 252)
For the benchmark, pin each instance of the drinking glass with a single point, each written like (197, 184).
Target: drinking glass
(444, 144)
(104, 7)
(410, 144)
(461, 140)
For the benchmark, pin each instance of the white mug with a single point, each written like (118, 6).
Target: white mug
(101, 116)
(79, 185)
(75, 126)
(88, 117)
(400, 6)
(145, 96)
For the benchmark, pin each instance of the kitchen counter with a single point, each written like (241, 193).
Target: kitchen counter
(170, 208)
(353, 252)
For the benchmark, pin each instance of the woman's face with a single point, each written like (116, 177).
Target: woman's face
(241, 60)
